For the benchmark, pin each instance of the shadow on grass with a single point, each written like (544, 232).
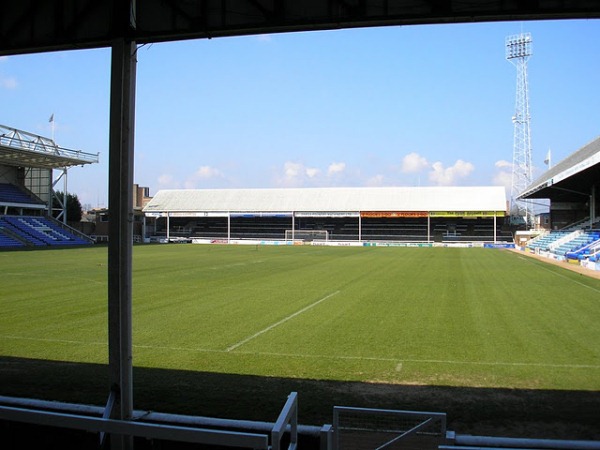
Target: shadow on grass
(550, 414)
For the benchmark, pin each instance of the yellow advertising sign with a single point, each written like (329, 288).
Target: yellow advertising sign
(466, 214)
(392, 214)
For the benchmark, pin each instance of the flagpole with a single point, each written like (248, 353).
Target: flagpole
(51, 120)
(548, 160)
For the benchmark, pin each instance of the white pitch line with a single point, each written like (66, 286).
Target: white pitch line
(270, 327)
(61, 341)
(399, 361)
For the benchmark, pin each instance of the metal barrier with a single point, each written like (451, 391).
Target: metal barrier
(288, 416)
(378, 429)
(468, 442)
(287, 421)
(129, 428)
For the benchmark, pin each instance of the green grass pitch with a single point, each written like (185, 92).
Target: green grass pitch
(437, 316)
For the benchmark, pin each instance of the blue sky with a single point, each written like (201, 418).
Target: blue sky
(423, 105)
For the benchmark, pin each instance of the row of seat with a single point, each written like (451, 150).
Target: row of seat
(9, 193)
(38, 231)
(573, 245)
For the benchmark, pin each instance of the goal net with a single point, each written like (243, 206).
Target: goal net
(306, 235)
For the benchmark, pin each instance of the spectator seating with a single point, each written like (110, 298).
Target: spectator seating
(585, 245)
(544, 242)
(38, 231)
(11, 194)
(7, 241)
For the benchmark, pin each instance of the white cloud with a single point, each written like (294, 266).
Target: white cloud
(312, 172)
(335, 168)
(8, 83)
(375, 181)
(206, 172)
(503, 176)
(503, 179)
(448, 176)
(502, 164)
(413, 162)
(165, 181)
(292, 170)
(292, 174)
(264, 38)
(203, 173)
(296, 174)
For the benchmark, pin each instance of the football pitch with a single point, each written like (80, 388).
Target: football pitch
(469, 317)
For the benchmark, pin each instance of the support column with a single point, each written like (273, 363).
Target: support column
(428, 228)
(120, 246)
(359, 227)
(495, 237)
(592, 206)
(168, 228)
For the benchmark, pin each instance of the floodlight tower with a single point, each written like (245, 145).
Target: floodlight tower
(518, 51)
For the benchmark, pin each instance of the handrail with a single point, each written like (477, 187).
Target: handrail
(287, 416)
(137, 428)
(23, 140)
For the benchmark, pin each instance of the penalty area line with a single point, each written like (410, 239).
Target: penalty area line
(282, 321)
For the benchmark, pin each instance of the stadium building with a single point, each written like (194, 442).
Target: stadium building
(363, 215)
(27, 196)
(571, 186)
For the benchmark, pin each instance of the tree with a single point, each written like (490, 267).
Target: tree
(74, 210)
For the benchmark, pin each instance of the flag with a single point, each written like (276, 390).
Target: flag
(547, 160)
(51, 119)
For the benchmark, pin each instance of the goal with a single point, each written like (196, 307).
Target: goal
(306, 235)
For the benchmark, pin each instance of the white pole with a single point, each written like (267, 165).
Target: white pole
(428, 228)
(65, 196)
(494, 227)
(359, 227)
(168, 226)
(51, 120)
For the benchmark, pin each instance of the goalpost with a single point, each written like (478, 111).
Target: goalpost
(306, 235)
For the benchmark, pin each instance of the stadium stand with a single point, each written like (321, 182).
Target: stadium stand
(27, 197)
(11, 194)
(23, 225)
(544, 241)
(402, 214)
(37, 231)
(583, 245)
(8, 241)
(576, 242)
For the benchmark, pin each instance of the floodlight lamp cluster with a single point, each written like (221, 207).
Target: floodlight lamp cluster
(519, 46)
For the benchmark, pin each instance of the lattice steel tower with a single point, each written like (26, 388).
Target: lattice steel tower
(518, 51)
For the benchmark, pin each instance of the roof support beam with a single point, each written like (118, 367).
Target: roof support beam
(30, 26)
(120, 247)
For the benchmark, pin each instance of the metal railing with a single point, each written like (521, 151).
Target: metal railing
(268, 437)
(379, 429)
(23, 140)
